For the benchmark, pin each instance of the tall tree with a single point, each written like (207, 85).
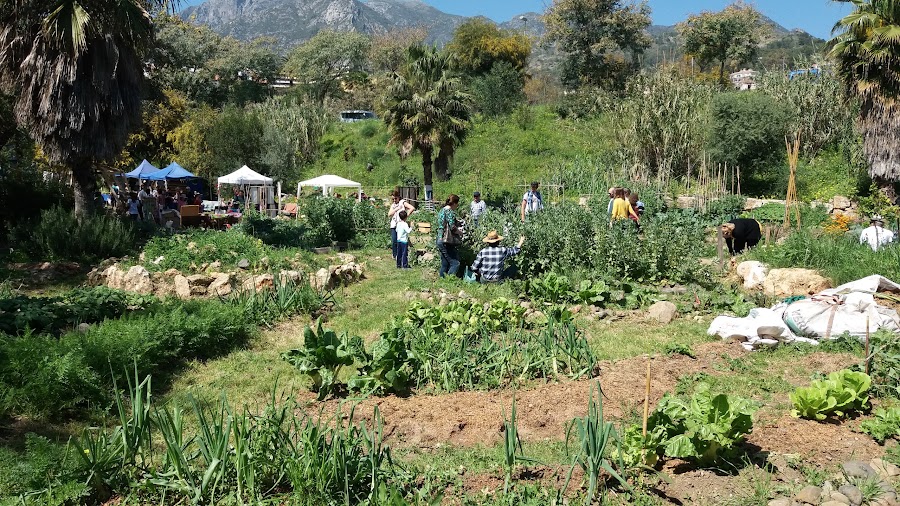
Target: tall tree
(75, 70)
(598, 37)
(427, 110)
(325, 61)
(478, 44)
(867, 51)
(732, 34)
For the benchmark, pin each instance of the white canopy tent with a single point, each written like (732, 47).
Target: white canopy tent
(246, 176)
(328, 182)
(258, 189)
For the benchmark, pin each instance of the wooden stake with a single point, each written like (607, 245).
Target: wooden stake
(867, 344)
(647, 398)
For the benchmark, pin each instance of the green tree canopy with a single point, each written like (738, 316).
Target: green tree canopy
(325, 61)
(867, 51)
(427, 110)
(747, 130)
(478, 44)
(75, 71)
(598, 37)
(731, 35)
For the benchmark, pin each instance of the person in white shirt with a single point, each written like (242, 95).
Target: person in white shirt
(876, 235)
(532, 201)
(397, 205)
(477, 207)
(403, 230)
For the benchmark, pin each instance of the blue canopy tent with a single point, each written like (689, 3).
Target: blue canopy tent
(173, 171)
(142, 171)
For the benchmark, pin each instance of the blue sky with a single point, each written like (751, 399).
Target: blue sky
(815, 16)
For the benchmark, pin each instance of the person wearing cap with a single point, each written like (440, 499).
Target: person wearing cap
(532, 201)
(477, 207)
(489, 264)
(876, 235)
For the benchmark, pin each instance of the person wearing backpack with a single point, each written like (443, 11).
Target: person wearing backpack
(449, 237)
(532, 201)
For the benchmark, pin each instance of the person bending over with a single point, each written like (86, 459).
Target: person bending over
(741, 234)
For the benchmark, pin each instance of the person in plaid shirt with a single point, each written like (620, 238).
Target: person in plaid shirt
(489, 262)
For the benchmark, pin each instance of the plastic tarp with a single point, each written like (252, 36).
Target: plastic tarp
(142, 171)
(850, 308)
(328, 182)
(245, 176)
(173, 171)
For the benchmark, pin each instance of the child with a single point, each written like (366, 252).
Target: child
(133, 206)
(403, 231)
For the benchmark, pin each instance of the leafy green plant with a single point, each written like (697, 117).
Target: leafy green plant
(59, 235)
(842, 393)
(465, 317)
(679, 349)
(884, 425)
(323, 357)
(884, 359)
(706, 429)
(390, 369)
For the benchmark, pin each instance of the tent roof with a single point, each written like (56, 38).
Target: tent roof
(142, 170)
(330, 181)
(173, 171)
(245, 175)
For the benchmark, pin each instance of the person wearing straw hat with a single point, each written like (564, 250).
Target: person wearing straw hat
(876, 235)
(489, 264)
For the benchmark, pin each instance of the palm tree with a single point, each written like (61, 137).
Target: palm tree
(74, 70)
(427, 110)
(867, 51)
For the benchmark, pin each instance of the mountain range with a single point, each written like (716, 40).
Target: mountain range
(291, 22)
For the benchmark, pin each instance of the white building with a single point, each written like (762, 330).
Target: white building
(745, 79)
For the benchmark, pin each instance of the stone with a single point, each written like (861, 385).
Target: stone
(83, 328)
(285, 277)
(810, 494)
(182, 287)
(257, 283)
(686, 202)
(215, 266)
(827, 489)
(884, 468)
(663, 312)
(780, 501)
(137, 279)
(840, 498)
(221, 286)
(243, 264)
(765, 343)
(171, 273)
(158, 260)
(752, 273)
(834, 503)
(346, 258)
(198, 290)
(857, 469)
(575, 309)
(525, 304)
(462, 295)
(322, 279)
(200, 280)
(601, 314)
(840, 202)
(790, 282)
(852, 493)
(427, 257)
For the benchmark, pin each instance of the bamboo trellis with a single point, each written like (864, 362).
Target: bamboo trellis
(791, 202)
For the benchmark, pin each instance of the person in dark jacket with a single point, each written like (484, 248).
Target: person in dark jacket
(741, 234)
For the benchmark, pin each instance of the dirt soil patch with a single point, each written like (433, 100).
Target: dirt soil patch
(472, 418)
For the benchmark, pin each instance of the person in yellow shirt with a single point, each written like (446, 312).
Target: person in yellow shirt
(621, 208)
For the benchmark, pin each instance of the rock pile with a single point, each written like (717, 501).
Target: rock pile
(215, 284)
(879, 472)
(781, 283)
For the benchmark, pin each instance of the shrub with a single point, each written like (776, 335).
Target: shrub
(277, 232)
(499, 91)
(182, 251)
(59, 235)
(331, 219)
(747, 129)
(32, 194)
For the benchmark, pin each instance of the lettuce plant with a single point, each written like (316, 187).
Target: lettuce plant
(842, 393)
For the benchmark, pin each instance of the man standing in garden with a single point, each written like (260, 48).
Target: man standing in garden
(532, 201)
(489, 263)
(477, 207)
(876, 235)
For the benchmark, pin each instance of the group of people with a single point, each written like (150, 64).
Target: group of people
(624, 205)
(149, 203)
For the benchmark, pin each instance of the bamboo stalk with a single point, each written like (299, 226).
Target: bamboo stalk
(647, 398)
